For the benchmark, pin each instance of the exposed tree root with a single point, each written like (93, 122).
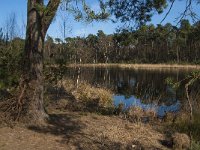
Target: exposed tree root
(22, 109)
(9, 111)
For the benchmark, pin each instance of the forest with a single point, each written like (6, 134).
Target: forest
(148, 44)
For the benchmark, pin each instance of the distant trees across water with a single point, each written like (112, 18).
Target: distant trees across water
(148, 44)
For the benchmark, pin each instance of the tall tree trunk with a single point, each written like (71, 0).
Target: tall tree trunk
(38, 21)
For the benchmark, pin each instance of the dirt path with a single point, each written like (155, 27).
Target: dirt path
(73, 131)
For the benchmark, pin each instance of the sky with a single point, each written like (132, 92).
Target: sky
(74, 28)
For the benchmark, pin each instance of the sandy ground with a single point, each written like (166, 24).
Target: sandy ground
(82, 131)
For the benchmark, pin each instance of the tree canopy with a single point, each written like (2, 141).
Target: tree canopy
(138, 12)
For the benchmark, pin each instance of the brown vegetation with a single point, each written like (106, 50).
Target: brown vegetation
(84, 97)
(79, 130)
(137, 114)
(141, 66)
(180, 141)
(71, 124)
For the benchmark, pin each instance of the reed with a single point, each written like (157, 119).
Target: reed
(140, 66)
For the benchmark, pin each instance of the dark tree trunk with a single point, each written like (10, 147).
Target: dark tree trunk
(177, 54)
(38, 21)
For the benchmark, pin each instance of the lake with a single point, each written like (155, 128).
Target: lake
(146, 88)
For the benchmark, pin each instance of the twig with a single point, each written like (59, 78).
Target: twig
(168, 11)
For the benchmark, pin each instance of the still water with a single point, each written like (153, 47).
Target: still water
(136, 87)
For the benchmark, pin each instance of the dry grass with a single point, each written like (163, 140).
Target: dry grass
(137, 114)
(82, 130)
(88, 94)
(73, 130)
(141, 66)
(181, 141)
(87, 97)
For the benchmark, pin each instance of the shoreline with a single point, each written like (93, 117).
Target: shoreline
(140, 66)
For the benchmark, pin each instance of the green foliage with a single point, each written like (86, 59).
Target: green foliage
(195, 74)
(10, 54)
(171, 82)
(195, 145)
(136, 11)
(147, 44)
(190, 80)
(83, 12)
(185, 126)
(190, 123)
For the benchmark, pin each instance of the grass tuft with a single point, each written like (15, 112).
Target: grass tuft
(90, 98)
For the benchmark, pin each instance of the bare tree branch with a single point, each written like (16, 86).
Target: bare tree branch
(184, 14)
(50, 12)
(168, 11)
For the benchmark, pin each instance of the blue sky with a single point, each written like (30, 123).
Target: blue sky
(79, 28)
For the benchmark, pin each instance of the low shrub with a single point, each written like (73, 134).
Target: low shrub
(195, 145)
(180, 141)
(184, 125)
(137, 114)
(90, 98)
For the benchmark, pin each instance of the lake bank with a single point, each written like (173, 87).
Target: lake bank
(79, 130)
(140, 66)
(79, 127)
(87, 128)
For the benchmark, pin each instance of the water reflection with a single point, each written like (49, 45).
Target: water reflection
(146, 88)
(161, 110)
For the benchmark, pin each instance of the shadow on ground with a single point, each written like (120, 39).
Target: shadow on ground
(71, 130)
(60, 125)
(58, 93)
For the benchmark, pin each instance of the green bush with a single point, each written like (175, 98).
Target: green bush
(195, 145)
(10, 60)
(184, 125)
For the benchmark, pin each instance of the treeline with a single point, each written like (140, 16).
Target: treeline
(148, 44)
